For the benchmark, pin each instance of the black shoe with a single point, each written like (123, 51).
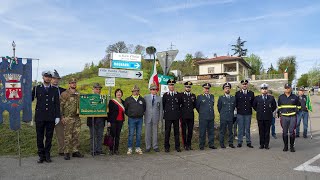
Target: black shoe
(167, 150)
(274, 136)
(222, 146)
(156, 150)
(285, 142)
(292, 149)
(67, 156)
(40, 161)
(61, 154)
(116, 152)
(77, 154)
(249, 145)
(239, 145)
(178, 150)
(201, 148)
(190, 148)
(261, 147)
(48, 160)
(285, 149)
(231, 145)
(297, 136)
(305, 136)
(147, 150)
(212, 147)
(266, 147)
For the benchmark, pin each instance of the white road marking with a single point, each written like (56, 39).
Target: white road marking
(307, 167)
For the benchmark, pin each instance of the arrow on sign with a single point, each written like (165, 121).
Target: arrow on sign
(139, 74)
(137, 65)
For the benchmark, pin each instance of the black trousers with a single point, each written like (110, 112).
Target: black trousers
(116, 127)
(168, 124)
(44, 129)
(264, 132)
(187, 124)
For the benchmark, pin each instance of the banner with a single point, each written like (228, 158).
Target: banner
(15, 90)
(93, 105)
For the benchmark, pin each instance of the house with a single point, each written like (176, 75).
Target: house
(232, 67)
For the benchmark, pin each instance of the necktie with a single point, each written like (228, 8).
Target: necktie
(152, 100)
(208, 96)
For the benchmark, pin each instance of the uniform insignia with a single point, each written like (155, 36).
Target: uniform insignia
(140, 102)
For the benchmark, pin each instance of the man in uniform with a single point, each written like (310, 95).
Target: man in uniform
(187, 113)
(226, 106)
(172, 113)
(302, 114)
(204, 106)
(244, 100)
(265, 105)
(288, 106)
(59, 127)
(47, 114)
(70, 118)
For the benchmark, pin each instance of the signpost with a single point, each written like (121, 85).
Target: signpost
(166, 58)
(164, 79)
(126, 65)
(117, 73)
(126, 57)
(110, 82)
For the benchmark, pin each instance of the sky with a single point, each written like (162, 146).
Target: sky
(66, 34)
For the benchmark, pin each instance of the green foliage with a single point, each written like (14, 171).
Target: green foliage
(314, 76)
(238, 48)
(290, 63)
(272, 70)
(256, 64)
(303, 80)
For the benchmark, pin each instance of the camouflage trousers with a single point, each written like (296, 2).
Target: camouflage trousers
(72, 134)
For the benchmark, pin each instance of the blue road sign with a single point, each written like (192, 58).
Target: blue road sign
(126, 65)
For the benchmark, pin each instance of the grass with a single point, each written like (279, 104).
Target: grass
(8, 138)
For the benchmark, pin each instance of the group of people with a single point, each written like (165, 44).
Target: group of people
(58, 108)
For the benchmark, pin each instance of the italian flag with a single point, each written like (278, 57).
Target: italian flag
(286, 70)
(154, 76)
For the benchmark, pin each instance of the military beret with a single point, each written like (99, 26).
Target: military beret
(287, 85)
(47, 73)
(226, 85)
(97, 85)
(206, 85)
(135, 88)
(244, 81)
(171, 82)
(188, 83)
(153, 86)
(264, 86)
(72, 80)
(56, 74)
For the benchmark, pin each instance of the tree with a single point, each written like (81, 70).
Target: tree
(119, 47)
(288, 64)
(256, 64)
(238, 48)
(198, 54)
(188, 59)
(303, 80)
(151, 51)
(314, 75)
(138, 49)
(272, 70)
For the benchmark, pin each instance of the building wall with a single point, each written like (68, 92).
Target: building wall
(219, 68)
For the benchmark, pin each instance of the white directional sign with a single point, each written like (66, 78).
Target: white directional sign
(126, 57)
(118, 73)
(110, 82)
(166, 58)
(164, 89)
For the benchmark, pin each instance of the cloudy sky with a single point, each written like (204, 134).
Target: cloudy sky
(66, 34)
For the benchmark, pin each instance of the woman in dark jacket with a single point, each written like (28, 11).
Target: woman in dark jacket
(116, 118)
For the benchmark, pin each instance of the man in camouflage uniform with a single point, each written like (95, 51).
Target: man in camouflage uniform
(69, 104)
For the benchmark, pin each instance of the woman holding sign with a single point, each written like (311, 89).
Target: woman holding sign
(116, 118)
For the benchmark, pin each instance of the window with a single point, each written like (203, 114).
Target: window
(210, 70)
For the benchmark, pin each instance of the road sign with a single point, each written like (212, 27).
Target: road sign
(164, 79)
(119, 73)
(164, 89)
(126, 57)
(126, 64)
(110, 82)
(166, 58)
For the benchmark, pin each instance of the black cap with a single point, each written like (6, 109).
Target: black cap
(171, 82)
(97, 85)
(188, 84)
(301, 88)
(244, 81)
(287, 85)
(206, 85)
(47, 73)
(226, 85)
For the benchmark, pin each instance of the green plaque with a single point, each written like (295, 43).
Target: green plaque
(163, 79)
(93, 105)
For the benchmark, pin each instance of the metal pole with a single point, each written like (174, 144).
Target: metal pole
(310, 126)
(93, 137)
(19, 148)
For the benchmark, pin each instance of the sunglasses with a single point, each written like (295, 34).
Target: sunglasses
(153, 89)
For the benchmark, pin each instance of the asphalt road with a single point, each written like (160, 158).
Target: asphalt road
(239, 163)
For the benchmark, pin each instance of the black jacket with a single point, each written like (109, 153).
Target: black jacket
(264, 108)
(113, 111)
(288, 105)
(244, 102)
(135, 109)
(171, 106)
(48, 103)
(188, 105)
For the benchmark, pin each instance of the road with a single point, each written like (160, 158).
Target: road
(239, 163)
